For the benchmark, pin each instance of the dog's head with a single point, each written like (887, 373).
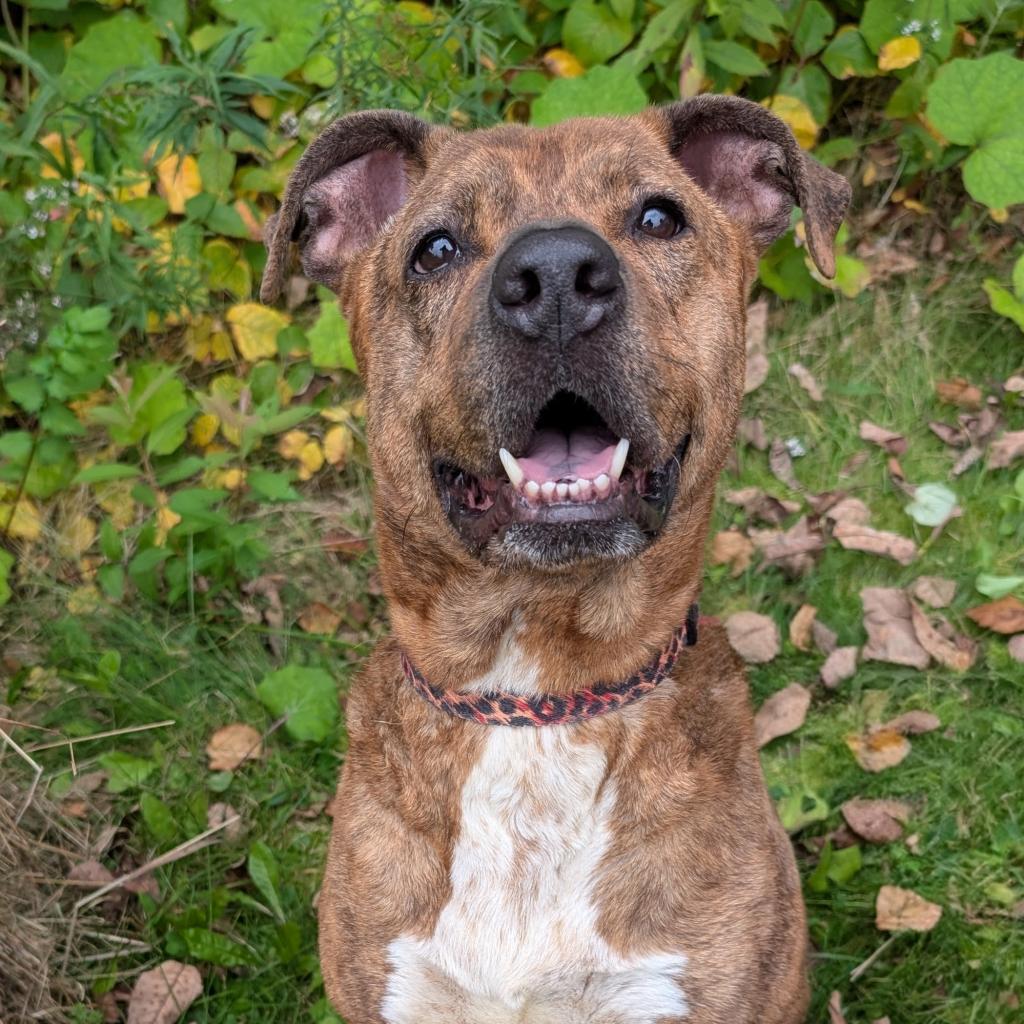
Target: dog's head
(549, 322)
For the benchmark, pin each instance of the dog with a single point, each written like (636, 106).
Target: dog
(552, 809)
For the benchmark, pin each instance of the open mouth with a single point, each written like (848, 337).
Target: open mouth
(574, 476)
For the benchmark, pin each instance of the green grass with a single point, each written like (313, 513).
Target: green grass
(877, 358)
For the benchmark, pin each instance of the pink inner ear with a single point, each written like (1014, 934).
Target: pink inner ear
(347, 207)
(741, 174)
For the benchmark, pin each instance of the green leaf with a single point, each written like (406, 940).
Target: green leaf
(307, 697)
(227, 270)
(848, 56)
(59, 419)
(265, 876)
(25, 391)
(214, 948)
(928, 20)
(115, 44)
(734, 58)
(933, 504)
(1018, 277)
(271, 486)
(995, 587)
(6, 564)
(88, 321)
(169, 435)
(102, 472)
(1004, 302)
(125, 771)
(801, 807)
(111, 579)
(329, 344)
(661, 31)
(813, 24)
(594, 32)
(158, 819)
(599, 91)
(16, 445)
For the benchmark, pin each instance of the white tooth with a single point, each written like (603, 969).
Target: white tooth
(563, 492)
(515, 474)
(586, 490)
(547, 490)
(532, 489)
(574, 491)
(603, 485)
(619, 459)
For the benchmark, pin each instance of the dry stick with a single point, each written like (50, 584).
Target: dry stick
(184, 849)
(863, 968)
(72, 740)
(36, 768)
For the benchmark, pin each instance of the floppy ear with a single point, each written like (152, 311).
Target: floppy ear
(350, 180)
(747, 160)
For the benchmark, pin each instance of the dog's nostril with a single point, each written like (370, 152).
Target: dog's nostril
(595, 280)
(518, 289)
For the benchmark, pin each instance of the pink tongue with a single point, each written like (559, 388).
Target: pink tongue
(582, 455)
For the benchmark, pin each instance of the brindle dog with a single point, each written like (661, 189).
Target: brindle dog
(550, 327)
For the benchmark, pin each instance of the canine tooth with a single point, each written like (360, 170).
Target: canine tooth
(563, 492)
(515, 474)
(619, 459)
(547, 490)
(532, 489)
(603, 485)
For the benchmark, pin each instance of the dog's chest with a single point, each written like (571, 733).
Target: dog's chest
(518, 939)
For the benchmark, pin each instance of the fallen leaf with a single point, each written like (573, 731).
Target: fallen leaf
(754, 637)
(850, 510)
(1003, 616)
(876, 542)
(162, 995)
(90, 874)
(835, 1010)
(217, 814)
(232, 744)
(338, 444)
(890, 630)
(968, 459)
(311, 459)
(840, 665)
(980, 426)
(780, 462)
(912, 723)
(879, 749)
(1015, 384)
(825, 639)
(732, 548)
(807, 381)
(957, 654)
(319, 618)
(562, 64)
(877, 821)
(893, 443)
(898, 910)
(757, 357)
(800, 539)
(936, 591)
(853, 463)
(178, 181)
(959, 391)
(801, 625)
(751, 431)
(782, 713)
(254, 328)
(1016, 647)
(344, 544)
(932, 505)
(1006, 449)
(898, 53)
(954, 437)
(759, 505)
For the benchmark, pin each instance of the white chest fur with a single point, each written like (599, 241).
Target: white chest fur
(518, 939)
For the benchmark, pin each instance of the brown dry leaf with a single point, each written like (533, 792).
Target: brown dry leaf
(954, 437)
(792, 550)
(162, 995)
(84, 784)
(344, 544)
(877, 821)
(890, 630)
(732, 548)
(968, 459)
(825, 639)
(879, 749)
(751, 431)
(319, 618)
(232, 744)
(801, 626)
(889, 440)
(757, 356)
(835, 1010)
(957, 654)
(807, 381)
(876, 542)
(850, 510)
(1007, 449)
(980, 426)
(755, 638)
(1016, 647)
(1003, 616)
(959, 391)
(840, 665)
(780, 462)
(782, 713)
(1014, 384)
(912, 723)
(898, 910)
(90, 874)
(935, 591)
(218, 813)
(853, 463)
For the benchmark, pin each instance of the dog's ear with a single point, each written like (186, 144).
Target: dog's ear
(351, 179)
(747, 160)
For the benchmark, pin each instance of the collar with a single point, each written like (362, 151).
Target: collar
(555, 709)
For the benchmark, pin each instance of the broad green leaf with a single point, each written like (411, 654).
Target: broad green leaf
(1018, 277)
(265, 876)
(1005, 303)
(594, 32)
(933, 504)
(125, 771)
(600, 91)
(799, 808)
(271, 486)
(6, 564)
(848, 56)
(734, 58)
(119, 43)
(158, 818)
(995, 587)
(214, 948)
(662, 30)
(927, 21)
(812, 25)
(307, 697)
(25, 391)
(329, 345)
(104, 471)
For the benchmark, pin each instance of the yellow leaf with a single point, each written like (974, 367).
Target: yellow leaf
(178, 181)
(870, 175)
(55, 145)
(263, 106)
(76, 535)
(352, 409)
(135, 187)
(84, 600)
(311, 458)
(291, 444)
(898, 53)
(1000, 215)
(204, 429)
(231, 479)
(562, 64)
(24, 523)
(255, 329)
(166, 520)
(319, 618)
(338, 445)
(207, 342)
(798, 116)
(115, 498)
(915, 206)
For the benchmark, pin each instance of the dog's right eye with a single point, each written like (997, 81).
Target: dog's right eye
(434, 253)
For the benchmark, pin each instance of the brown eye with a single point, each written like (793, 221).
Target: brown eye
(659, 221)
(434, 252)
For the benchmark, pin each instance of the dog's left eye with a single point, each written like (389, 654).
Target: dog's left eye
(659, 221)
(434, 252)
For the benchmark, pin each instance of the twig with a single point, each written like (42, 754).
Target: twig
(72, 740)
(863, 968)
(36, 768)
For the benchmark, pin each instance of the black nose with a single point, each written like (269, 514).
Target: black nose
(556, 283)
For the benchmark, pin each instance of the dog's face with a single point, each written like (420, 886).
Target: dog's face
(550, 321)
